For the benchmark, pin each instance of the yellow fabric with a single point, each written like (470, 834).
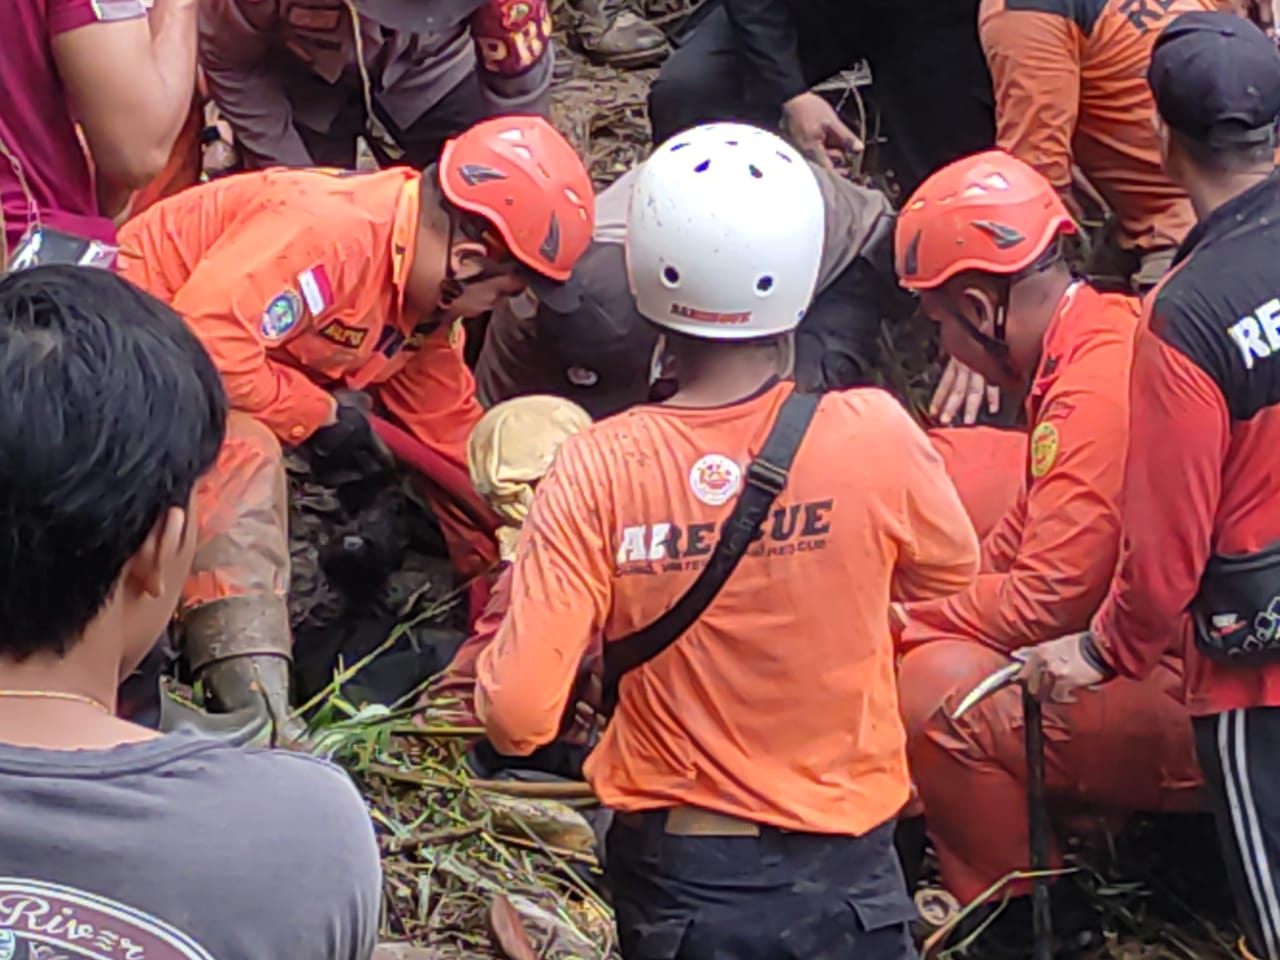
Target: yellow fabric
(510, 450)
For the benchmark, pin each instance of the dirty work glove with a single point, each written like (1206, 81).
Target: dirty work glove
(349, 450)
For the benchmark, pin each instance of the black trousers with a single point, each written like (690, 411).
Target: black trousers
(930, 76)
(779, 896)
(462, 107)
(1238, 752)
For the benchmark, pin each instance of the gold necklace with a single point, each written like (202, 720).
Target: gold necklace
(56, 695)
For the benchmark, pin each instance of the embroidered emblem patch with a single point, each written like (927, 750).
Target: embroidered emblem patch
(281, 316)
(1044, 449)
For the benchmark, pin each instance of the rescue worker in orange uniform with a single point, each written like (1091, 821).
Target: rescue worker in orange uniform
(981, 241)
(302, 282)
(1070, 79)
(756, 764)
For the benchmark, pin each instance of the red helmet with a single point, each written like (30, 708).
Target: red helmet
(989, 212)
(524, 178)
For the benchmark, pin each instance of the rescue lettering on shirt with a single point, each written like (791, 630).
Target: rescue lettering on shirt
(790, 529)
(343, 335)
(1258, 335)
(1145, 14)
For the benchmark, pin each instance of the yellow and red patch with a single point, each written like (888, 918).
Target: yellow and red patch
(1044, 448)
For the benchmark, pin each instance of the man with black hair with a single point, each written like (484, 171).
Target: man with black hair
(110, 411)
(307, 286)
(1199, 574)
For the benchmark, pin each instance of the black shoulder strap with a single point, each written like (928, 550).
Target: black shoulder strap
(766, 478)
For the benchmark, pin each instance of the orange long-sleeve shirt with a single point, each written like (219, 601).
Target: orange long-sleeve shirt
(1047, 565)
(294, 281)
(779, 704)
(1070, 80)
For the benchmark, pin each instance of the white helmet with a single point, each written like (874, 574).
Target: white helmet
(724, 234)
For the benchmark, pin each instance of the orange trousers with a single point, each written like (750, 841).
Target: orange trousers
(242, 508)
(1123, 748)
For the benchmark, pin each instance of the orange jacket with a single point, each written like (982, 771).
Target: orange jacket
(1047, 565)
(779, 704)
(294, 280)
(1070, 79)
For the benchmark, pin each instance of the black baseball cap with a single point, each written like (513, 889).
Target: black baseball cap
(599, 351)
(1216, 79)
(560, 296)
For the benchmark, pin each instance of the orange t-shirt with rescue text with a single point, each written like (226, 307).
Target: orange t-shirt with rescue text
(779, 705)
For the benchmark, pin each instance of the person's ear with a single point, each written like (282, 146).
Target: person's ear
(786, 355)
(467, 259)
(147, 568)
(1167, 159)
(978, 305)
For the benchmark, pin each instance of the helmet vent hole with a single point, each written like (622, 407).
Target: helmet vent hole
(783, 156)
(755, 171)
(702, 167)
(511, 135)
(543, 170)
(523, 151)
(679, 146)
(731, 143)
(572, 195)
(764, 284)
(671, 276)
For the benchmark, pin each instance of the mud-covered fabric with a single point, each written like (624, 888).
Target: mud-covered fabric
(777, 896)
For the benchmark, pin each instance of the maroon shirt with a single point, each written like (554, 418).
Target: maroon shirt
(36, 126)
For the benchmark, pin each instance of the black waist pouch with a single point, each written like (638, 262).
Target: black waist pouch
(1237, 610)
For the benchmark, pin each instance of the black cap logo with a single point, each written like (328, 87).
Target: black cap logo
(911, 259)
(550, 248)
(475, 173)
(1003, 234)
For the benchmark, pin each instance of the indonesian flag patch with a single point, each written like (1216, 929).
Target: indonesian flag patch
(315, 288)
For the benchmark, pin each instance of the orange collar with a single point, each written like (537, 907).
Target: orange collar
(404, 237)
(1058, 338)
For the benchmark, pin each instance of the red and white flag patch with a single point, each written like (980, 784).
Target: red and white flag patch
(315, 288)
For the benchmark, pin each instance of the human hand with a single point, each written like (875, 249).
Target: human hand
(817, 131)
(962, 389)
(1055, 669)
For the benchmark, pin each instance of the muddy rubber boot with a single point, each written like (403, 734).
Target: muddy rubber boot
(239, 649)
(613, 34)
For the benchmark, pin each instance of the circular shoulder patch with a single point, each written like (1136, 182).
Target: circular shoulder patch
(715, 479)
(282, 315)
(1044, 448)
